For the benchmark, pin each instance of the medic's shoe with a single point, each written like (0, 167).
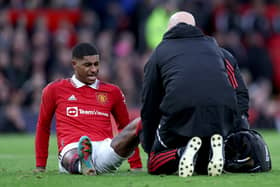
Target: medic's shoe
(216, 163)
(85, 151)
(187, 160)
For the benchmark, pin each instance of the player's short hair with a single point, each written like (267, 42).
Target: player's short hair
(84, 49)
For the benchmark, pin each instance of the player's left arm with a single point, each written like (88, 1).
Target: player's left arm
(47, 109)
(119, 110)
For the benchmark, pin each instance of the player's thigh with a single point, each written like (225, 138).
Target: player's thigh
(105, 158)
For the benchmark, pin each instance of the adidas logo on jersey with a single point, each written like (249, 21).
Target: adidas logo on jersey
(72, 98)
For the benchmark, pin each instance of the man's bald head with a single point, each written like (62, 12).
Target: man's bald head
(180, 17)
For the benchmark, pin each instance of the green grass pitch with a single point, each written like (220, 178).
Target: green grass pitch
(17, 162)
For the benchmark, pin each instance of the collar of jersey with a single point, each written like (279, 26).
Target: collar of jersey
(79, 84)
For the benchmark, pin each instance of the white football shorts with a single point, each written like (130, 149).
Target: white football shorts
(105, 159)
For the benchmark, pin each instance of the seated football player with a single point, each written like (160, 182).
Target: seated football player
(83, 106)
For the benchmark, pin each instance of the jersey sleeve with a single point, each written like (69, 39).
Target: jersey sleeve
(47, 109)
(119, 110)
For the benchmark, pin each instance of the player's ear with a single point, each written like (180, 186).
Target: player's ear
(73, 62)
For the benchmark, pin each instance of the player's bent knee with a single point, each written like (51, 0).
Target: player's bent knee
(70, 161)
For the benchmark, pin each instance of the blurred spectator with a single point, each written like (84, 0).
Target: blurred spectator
(63, 3)
(274, 48)
(62, 66)
(142, 12)
(227, 18)
(40, 35)
(125, 63)
(274, 43)
(6, 30)
(4, 87)
(259, 62)
(65, 35)
(89, 21)
(255, 20)
(11, 120)
(263, 109)
(157, 22)
(105, 46)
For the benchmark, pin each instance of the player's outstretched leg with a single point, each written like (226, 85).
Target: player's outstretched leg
(187, 160)
(216, 164)
(85, 151)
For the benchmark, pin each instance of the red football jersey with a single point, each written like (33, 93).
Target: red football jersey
(79, 110)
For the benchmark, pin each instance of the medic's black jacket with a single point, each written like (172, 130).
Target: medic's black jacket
(241, 88)
(186, 90)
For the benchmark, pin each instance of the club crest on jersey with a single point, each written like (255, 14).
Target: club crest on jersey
(102, 98)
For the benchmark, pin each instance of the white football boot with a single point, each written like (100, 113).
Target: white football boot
(187, 160)
(216, 163)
